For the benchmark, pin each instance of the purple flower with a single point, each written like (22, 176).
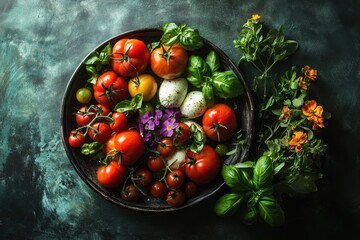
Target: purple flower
(171, 113)
(168, 126)
(151, 119)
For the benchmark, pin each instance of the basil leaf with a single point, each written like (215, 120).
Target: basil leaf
(247, 164)
(213, 61)
(196, 71)
(237, 179)
(249, 215)
(130, 105)
(228, 204)
(226, 84)
(270, 211)
(151, 46)
(105, 54)
(196, 139)
(208, 92)
(263, 173)
(190, 38)
(171, 34)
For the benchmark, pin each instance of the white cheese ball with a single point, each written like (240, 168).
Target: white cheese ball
(175, 160)
(194, 105)
(173, 92)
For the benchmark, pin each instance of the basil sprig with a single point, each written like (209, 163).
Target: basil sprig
(252, 190)
(97, 62)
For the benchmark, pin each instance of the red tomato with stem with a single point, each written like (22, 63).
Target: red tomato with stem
(129, 57)
(219, 122)
(190, 189)
(203, 167)
(129, 193)
(102, 110)
(119, 122)
(169, 62)
(84, 116)
(110, 89)
(112, 175)
(143, 177)
(175, 198)
(166, 147)
(76, 139)
(182, 133)
(100, 132)
(130, 145)
(175, 179)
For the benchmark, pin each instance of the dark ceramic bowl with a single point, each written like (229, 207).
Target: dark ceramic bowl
(87, 169)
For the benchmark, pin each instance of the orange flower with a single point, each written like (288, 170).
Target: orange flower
(314, 113)
(285, 113)
(310, 73)
(297, 140)
(255, 17)
(302, 83)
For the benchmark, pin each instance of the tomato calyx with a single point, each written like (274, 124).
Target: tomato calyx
(166, 53)
(124, 56)
(108, 92)
(217, 127)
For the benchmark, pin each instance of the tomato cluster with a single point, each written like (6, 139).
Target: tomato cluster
(126, 162)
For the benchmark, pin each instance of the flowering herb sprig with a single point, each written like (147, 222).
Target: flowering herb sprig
(156, 124)
(288, 152)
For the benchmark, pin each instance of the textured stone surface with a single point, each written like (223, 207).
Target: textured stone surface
(42, 42)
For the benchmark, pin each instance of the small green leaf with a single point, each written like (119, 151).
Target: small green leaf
(228, 204)
(237, 179)
(246, 164)
(278, 168)
(298, 102)
(213, 61)
(249, 215)
(91, 148)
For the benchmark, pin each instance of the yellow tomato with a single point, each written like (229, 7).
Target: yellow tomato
(145, 84)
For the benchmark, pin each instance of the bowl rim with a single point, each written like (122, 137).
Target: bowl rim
(102, 193)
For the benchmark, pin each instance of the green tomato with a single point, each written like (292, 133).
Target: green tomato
(83, 95)
(221, 149)
(146, 107)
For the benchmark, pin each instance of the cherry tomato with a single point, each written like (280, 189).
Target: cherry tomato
(76, 139)
(158, 189)
(182, 133)
(175, 198)
(166, 147)
(100, 132)
(110, 89)
(143, 177)
(190, 189)
(168, 62)
(84, 116)
(221, 149)
(102, 110)
(120, 122)
(175, 179)
(144, 84)
(109, 148)
(129, 193)
(112, 175)
(219, 122)
(83, 95)
(131, 146)
(130, 57)
(155, 164)
(203, 167)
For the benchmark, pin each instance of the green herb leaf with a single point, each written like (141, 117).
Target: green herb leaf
(249, 215)
(270, 211)
(263, 173)
(213, 61)
(130, 105)
(226, 84)
(228, 204)
(197, 70)
(237, 179)
(92, 148)
(208, 92)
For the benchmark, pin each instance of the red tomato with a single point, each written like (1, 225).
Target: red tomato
(130, 145)
(109, 148)
(130, 57)
(110, 89)
(100, 132)
(175, 179)
(166, 147)
(76, 139)
(168, 62)
(143, 177)
(84, 116)
(102, 110)
(203, 167)
(158, 189)
(175, 198)
(130, 193)
(182, 133)
(112, 175)
(155, 164)
(219, 122)
(190, 189)
(120, 122)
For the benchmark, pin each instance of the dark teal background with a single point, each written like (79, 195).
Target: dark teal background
(42, 42)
